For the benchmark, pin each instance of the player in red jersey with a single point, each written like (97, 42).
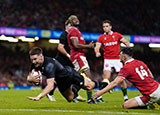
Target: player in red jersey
(139, 74)
(110, 41)
(77, 55)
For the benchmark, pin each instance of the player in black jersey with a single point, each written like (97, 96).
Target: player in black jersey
(63, 56)
(56, 72)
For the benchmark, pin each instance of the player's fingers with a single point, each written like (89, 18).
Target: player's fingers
(94, 96)
(30, 98)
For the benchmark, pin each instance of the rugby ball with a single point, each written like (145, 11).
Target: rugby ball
(37, 73)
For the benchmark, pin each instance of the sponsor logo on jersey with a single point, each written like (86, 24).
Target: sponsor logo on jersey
(110, 43)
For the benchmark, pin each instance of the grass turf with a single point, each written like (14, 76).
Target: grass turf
(14, 102)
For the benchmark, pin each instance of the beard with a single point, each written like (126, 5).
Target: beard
(76, 25)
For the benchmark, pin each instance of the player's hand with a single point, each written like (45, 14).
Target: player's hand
(34, 98)
(34, 78)
(98, 54)
(97, 94)
(91, 44)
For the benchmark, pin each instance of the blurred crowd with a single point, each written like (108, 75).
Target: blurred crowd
(15, 63)
(135, 17)
(128, 16)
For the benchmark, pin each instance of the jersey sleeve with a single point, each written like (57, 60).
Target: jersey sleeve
(120, 36)
(123, 72)
(63, 37)
(99, 40)
(73, 33)
(50, 70)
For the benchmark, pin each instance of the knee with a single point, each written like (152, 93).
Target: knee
(124, 106)
(70, 98)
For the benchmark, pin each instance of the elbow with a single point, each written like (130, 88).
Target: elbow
(58, 48)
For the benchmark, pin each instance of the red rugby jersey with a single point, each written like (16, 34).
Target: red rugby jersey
(75, 33)
(111, 45)
(137, 73)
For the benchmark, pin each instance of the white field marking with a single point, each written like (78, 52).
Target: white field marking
(74, 111)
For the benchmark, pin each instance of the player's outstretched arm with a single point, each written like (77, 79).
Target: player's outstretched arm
(108, 87)
(47, 89)
(81, 46)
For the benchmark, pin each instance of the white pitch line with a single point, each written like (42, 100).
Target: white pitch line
(75, 111)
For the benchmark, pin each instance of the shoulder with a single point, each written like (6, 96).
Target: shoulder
(63, 36)
(72, 29)
(64, 33)
(101, 36)
(118, 34)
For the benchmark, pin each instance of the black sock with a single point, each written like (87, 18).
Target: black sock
(75, 89)
(96, 84)
(100, 85)
(124, 91)
(89, 95)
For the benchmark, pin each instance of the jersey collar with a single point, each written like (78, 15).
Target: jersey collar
(108, 34)
(129, 60)
(73, 27)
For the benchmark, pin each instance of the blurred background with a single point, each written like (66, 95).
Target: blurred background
(28, 23)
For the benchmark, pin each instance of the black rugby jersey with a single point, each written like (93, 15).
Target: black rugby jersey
(60, 57)
(51, 68)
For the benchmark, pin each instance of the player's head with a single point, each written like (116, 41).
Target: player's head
(73, 20)
(36, 56)
(107, 26)
(126, 54)
(67, 25)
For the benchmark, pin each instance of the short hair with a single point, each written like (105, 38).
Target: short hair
(127, 51)
(107, 21)
(35, 51)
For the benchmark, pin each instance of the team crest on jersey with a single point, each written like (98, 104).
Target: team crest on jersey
(113, 37)
(107, 65)
(105, 38)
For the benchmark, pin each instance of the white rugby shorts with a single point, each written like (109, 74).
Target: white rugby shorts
(109, 63)
(154, 97)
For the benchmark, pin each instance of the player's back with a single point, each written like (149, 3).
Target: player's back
(138, 74)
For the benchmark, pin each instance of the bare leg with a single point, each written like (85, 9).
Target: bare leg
(68, 94)
(88, 84)
(89, 92)
(107, 74)
(131, 103)
(123, 84)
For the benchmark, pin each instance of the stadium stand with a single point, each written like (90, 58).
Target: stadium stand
(128, 17)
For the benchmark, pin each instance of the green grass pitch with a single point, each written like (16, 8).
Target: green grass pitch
(14, 102)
